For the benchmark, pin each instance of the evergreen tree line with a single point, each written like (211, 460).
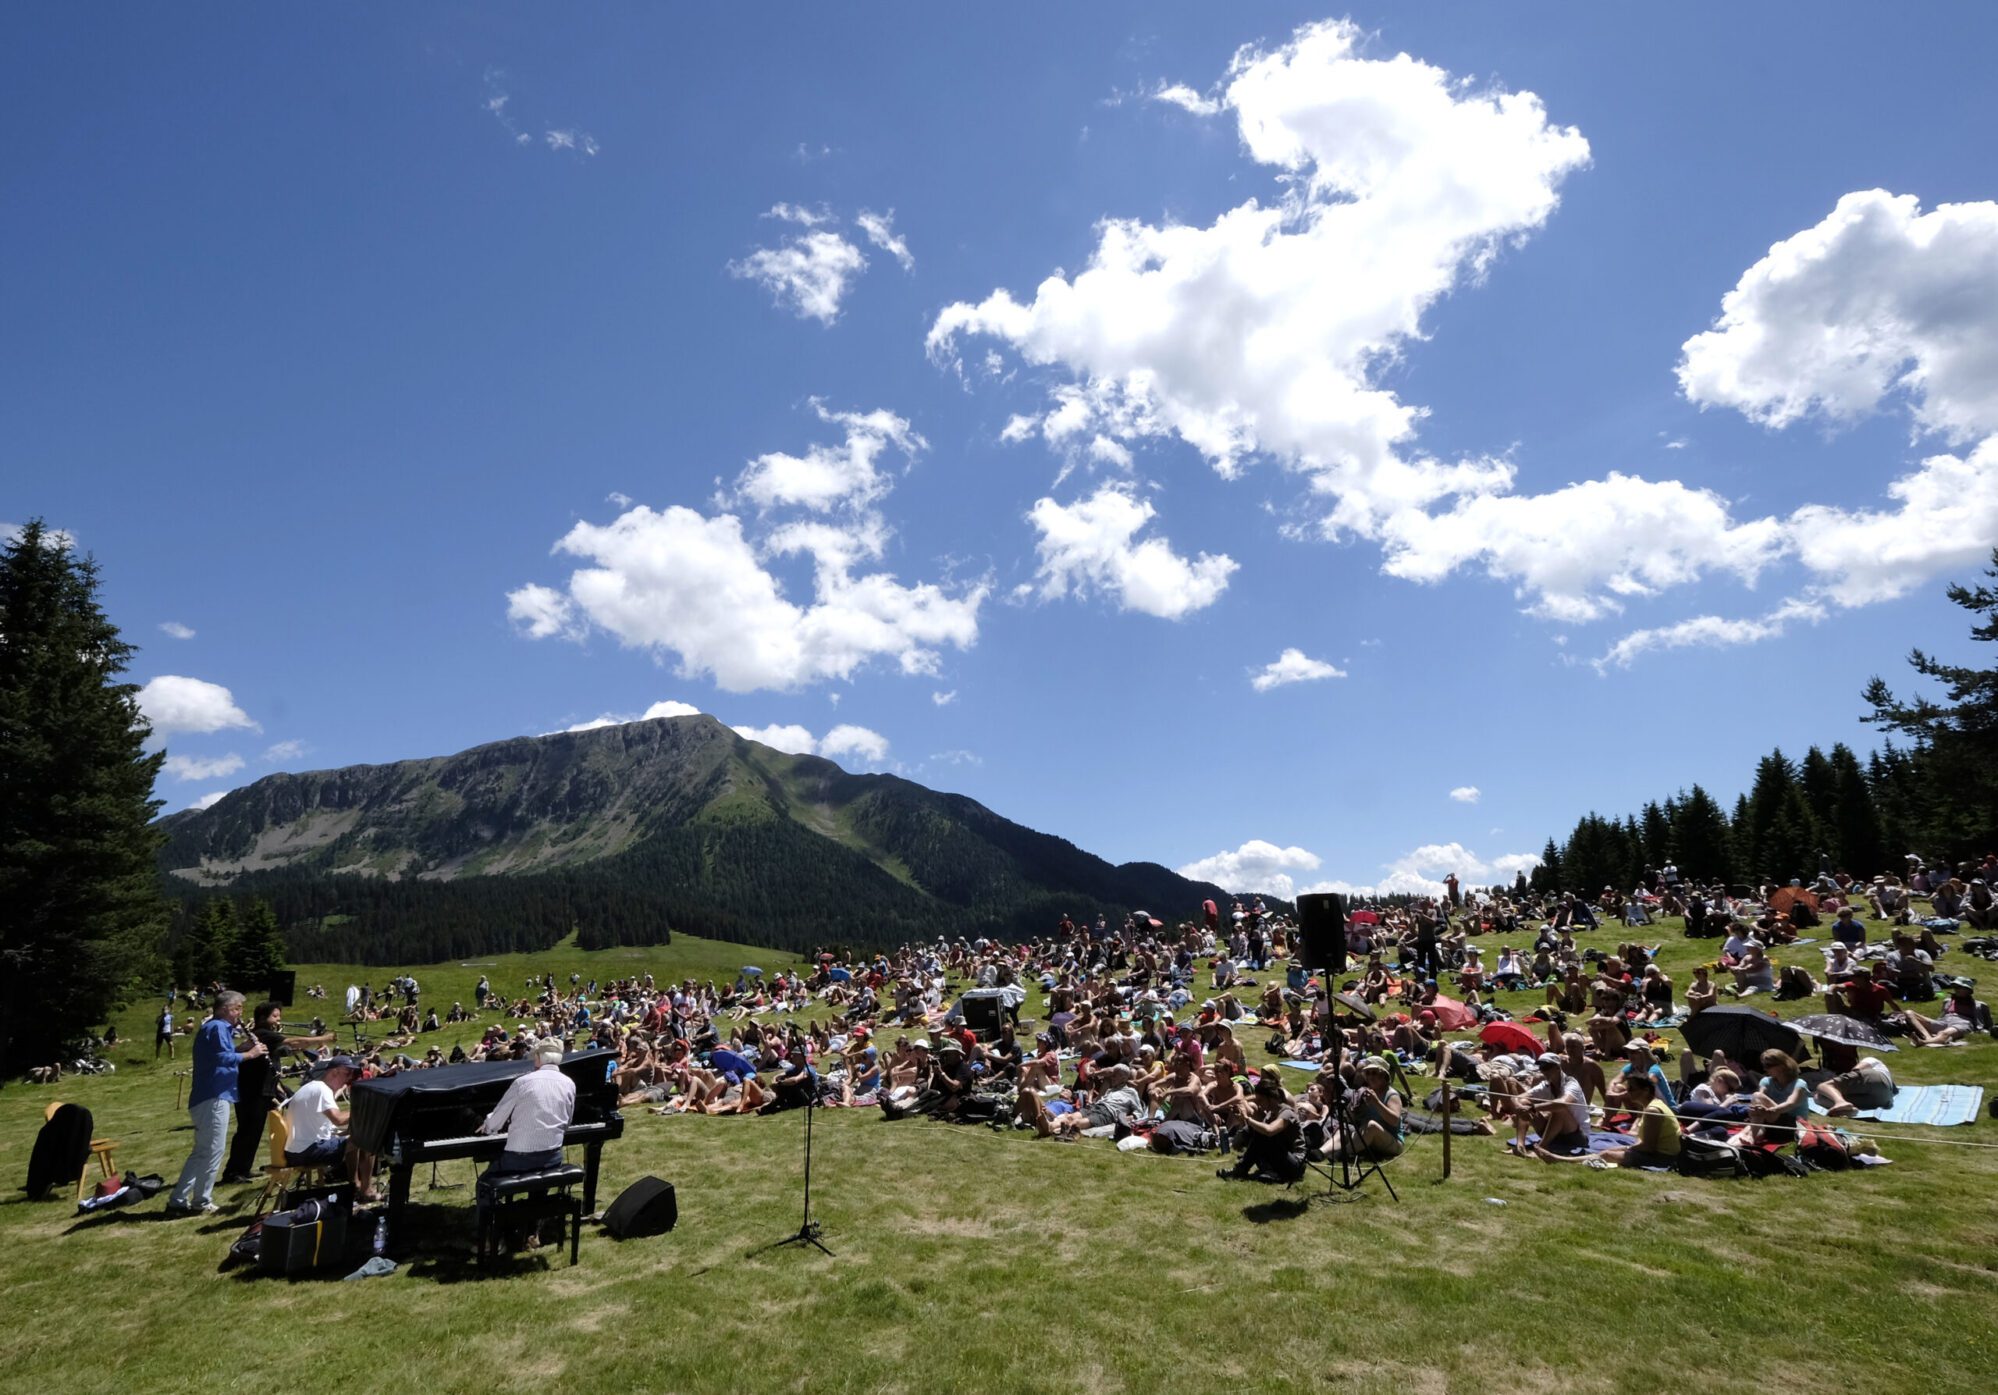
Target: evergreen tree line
(1936, 796)
(227, 940)
(1797, 815)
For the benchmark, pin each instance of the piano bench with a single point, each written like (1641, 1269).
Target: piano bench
(513, 1199)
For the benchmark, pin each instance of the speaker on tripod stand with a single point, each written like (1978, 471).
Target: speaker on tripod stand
(1321, 920)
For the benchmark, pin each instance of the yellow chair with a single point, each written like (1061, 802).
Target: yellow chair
(279, 1174)
(105, 1150)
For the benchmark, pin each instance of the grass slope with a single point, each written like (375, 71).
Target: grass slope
(968, 1260)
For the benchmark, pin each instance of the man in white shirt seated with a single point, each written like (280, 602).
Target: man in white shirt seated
(535, 1113)
(314, 1117)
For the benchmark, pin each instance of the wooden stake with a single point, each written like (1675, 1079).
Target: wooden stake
(1448, 1108)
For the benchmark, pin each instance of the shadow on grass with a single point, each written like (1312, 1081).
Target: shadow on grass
(1281, 1208)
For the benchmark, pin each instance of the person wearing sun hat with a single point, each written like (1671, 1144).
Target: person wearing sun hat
(1376, 1112)
(1557, 1107)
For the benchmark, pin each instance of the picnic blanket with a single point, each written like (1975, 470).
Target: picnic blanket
(1935, 1105)
(1311, 1066)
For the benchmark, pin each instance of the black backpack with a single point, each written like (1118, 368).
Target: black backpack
(1700, 1158)
(1767, 1162)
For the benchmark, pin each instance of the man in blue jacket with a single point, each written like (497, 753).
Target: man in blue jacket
(216, 1062)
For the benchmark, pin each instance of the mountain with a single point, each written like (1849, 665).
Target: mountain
(625, 833)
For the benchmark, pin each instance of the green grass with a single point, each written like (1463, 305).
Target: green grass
(968, 1260)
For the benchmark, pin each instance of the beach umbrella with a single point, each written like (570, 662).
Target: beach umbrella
(1846, 1031)
(751, 969)
(1510, 1036)
(1742, 1032)
(1789, 896)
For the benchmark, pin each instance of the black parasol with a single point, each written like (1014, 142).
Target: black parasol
(1846, 1031)
(1744, 1033)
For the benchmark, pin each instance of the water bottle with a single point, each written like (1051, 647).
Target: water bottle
(381, 1234)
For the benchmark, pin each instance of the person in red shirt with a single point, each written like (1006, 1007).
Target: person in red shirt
(1870, 999)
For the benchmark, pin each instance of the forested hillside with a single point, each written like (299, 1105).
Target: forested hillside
(625, 834)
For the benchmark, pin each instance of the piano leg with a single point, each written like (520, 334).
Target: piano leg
(593, 1154)
(398, 1198)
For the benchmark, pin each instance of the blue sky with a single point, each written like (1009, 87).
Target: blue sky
(1591, 400)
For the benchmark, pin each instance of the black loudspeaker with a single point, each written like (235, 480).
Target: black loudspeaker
(646, 1207)
(984, 1011)
(284, 983)
(1321, 917)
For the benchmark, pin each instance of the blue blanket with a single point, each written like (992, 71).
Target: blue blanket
(1936, 1105)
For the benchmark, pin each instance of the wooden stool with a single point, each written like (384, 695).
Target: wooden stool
(105, 1150)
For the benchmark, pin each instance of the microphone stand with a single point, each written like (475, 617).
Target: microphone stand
(809, 1230)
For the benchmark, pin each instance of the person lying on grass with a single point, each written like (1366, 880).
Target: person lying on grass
(1962, 1014)
(1851, 1082)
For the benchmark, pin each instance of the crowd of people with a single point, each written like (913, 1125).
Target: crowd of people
(1143, 1028)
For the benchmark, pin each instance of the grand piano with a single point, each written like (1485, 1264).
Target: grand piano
(423, 1116)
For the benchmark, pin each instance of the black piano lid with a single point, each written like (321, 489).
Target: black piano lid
(378, 1101)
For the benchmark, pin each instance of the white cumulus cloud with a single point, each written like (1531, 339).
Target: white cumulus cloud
(1178, 94)
(173, 629)
(858, 742)
(670, 707)
(1271, 329)
(1293, 666)
(843, 741)
(681, 582)
(1420, 872)
(1465, 794)
(1876, 304)
(1255, 866)
(809, 273)
(827, 476)
(1875, 299)
(203, 767)
(879, 229)
(540, 611)
(174, 704)
(1092, 545)
(284, 750)
(209, 800)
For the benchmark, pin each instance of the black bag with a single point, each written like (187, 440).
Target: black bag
(1701, 1158)
(288, 1245)
(1767, 1162)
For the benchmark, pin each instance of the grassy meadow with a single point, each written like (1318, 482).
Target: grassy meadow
(970, 1260)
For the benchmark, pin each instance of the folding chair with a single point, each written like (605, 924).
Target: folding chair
(281, 1175)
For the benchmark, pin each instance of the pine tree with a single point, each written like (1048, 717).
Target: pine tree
(1858, 844)
(1657, 835)
(1700, 841)
(1956, 739)
(211, 948)
(82, 909)
(1547, 876)
(257, 951)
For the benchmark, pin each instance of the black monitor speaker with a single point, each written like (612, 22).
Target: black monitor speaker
(984, 1013)
(1321, 920)
(646, 1207)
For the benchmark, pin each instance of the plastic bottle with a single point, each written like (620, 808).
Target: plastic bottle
(381, 1234)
